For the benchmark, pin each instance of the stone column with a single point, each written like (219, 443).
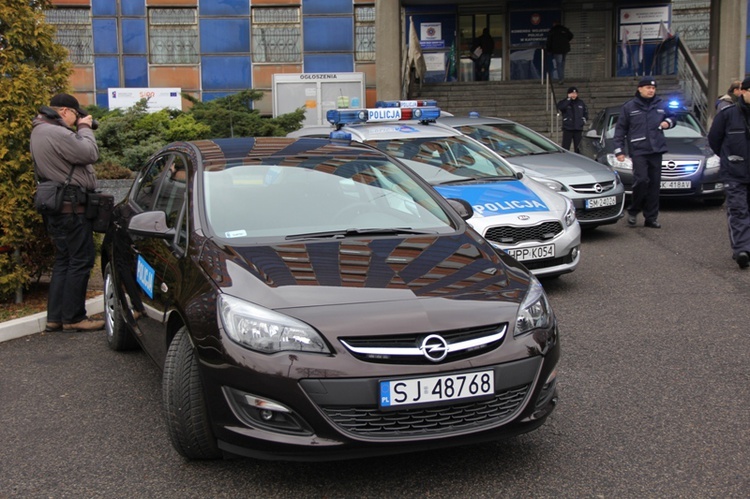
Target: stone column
(727, 42)
(388, 45)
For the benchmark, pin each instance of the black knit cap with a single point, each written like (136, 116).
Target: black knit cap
(572, 89)
(67, 100)
(745, 84)
(647, 81)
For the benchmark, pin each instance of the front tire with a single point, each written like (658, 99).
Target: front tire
(119, 335)
(184, 404)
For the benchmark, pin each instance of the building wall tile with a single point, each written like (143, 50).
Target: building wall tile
(263, 74)
(185, 77)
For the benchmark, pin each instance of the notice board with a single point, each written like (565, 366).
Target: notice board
(317, 93)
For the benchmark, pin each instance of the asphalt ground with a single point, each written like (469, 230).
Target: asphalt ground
(654, 398)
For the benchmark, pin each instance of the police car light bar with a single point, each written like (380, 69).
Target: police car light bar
(406, 103)
(350, 116)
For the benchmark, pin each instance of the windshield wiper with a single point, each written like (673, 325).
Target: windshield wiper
(477, 178)
(340, 234)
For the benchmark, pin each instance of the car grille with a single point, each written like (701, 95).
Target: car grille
(675, 169)
(591, 188)
(514, 235)
(599, 213)
(486, 339)
(374, 423)
(546, 263)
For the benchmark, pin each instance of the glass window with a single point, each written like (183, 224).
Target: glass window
(364, 33)
(686, 127)
(148, 182)
(276, 34)
(171, 196)
(73, 32)
(173, 36)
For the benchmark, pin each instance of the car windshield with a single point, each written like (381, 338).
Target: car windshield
(509, 140)
(686, 127)
(446, 159)
(328, 195)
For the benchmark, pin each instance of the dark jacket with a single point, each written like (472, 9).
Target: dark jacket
(558, 40)
(55, 148)
(486, 42)
(729, 138)
(574, 114)
(639, 121)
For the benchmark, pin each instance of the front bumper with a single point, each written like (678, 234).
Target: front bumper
(340, 417)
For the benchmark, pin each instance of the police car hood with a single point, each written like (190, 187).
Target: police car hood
(687, 147)
(567, 167)
(507, 198)
(432, 268)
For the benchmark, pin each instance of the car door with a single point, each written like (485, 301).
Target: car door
(591, 145)
(159, 188)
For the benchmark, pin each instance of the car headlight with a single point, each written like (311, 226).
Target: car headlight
(570, 213)
(627, 164)
(713, 162)
(552, 184)
(264, 330)
(535, 311)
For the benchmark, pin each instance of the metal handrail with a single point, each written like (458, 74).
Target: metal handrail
(692, 80)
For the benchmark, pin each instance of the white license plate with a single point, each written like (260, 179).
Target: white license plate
(675, 184)
(601, 202)
(533, 253)
(417, 391)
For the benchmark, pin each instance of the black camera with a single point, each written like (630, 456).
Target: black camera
(94, 124)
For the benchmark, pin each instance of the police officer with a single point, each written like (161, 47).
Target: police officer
(642, 121)
(729, 137)
(574, 116)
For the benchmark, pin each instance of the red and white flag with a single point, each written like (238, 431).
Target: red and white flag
(664, 32)
(640, 47)
(624, 48)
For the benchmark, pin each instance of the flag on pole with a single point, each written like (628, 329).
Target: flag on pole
(664, 32)
(624, 47)
(640, 47)
(415, 55)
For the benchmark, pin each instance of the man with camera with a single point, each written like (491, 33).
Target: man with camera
(64, 149)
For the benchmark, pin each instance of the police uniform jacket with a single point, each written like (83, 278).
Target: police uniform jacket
(574, 113)
(55, 148)
(729, 138)
(639, 121)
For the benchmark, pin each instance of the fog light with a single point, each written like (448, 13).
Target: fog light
(259, 412)
(574, 253)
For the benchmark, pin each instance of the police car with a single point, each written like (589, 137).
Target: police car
(517, 214)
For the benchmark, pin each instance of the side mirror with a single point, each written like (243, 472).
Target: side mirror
(464, 209)
(151, 224)
(592, 134)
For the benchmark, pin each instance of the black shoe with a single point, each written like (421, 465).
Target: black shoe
(743, 259)
(653, 224)
(631, 221)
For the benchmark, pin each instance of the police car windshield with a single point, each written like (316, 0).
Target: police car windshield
(509, 140)
(446, 158)
(686, 127)
(283, 196)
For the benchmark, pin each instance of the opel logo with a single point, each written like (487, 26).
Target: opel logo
(434, 348)
(671, 165)
(523, 217)
(598, 188)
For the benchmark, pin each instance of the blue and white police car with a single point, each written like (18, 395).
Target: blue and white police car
(517, 214)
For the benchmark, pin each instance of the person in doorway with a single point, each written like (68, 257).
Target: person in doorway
(62, 146)
(729, 137)
(481, 54)
(730, 98)
(558, 46)
(642, 122)
(574, 116)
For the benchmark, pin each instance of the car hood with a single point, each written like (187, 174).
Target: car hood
(569, 168)
(317, 273)
(688, 147)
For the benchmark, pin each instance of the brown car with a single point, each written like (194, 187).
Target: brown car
(315, 299)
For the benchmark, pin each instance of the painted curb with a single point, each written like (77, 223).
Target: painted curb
(24, 326)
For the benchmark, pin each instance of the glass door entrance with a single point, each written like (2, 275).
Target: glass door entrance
(477, 65)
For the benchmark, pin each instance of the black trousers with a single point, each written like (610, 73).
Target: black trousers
(738, 215)
(575, 137)
(74, 258)
(646, 186)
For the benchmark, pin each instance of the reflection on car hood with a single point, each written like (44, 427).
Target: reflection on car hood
(565, 167)
(357, 270)
(688, 147)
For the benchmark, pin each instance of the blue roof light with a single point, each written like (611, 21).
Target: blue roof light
(339, 135)
(474, 114)
(674, 104)
(381, 114)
